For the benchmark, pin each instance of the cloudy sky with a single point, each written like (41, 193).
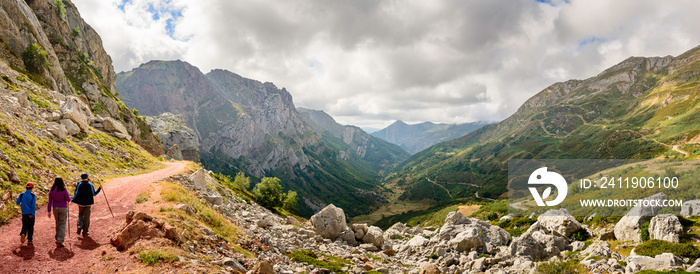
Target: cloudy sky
(369, 63)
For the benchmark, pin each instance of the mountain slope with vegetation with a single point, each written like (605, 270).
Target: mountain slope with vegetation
(417, 137)
(640, 108)
(250, 126)
(354, 145)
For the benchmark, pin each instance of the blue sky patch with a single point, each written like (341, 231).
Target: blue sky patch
(591, 40)
(163, 10)
(123, 3)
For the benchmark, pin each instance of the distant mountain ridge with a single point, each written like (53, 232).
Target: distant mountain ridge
(354, 144)
(251, 126)
(417, 137)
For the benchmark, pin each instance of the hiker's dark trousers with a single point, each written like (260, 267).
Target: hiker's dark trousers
(28, 226)
(84, 218)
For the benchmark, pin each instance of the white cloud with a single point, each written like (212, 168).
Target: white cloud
(369, 63)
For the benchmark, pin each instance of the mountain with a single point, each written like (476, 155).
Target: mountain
(353, 144)
(640, 108)
(246, 125)
(56, 49)
(417, 137)
(60, 114)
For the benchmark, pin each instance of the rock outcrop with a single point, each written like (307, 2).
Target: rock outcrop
(629, 227)
(172, 130)
(690, 208)
(140, 225)
(665, 227)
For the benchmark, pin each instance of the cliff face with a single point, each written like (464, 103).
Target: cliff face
(251, 126)
(172, 130)
(55, 48)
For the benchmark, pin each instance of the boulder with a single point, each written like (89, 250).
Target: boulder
(73, 110)
(527, 246)
(70, 126)
(199, 179)
(214, 198)
(600, 249)
(329, 222)
(58, 130)
(418, 241)
(141, 225)
(349, 237)
(559, 221)
(186, 208)
(374, 236)
(552, 244)
(691, 208)
(661, 262)
(111, 125)
(629, 226)
(263, 267)
(360, 230)
(51, 116)
(431, 269)
(665, 227)
(695, 267)
(292, 221)
(489, 235)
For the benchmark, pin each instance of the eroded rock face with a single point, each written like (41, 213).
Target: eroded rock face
(629, 226)
(691, 208)
(329, 222)
(172, 130)
(665, 227)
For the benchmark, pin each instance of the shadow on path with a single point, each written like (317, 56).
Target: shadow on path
(61, 254)
(88, 244)
(27, 252)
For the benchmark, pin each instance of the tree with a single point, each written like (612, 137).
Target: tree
(268, 193)
(241, 181)
(290, 202)
(60, 8)
(34, 58)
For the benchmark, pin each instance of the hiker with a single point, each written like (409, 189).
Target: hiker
(27, 201)
(58, 201)
(84, 197)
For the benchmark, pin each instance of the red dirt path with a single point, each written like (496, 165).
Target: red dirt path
(44, 257)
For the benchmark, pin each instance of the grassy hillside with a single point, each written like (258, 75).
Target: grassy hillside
(639, 109)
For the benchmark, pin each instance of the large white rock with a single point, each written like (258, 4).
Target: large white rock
(665, 227)
(691, 208)
(57, 130)
(71, 128)
(527, 246)
(199, 179)
(695, 267)
(629, 226)
(418, 241)
(112, 125)
(661, 262)
(329, 222)
(559, 221)
(72, 109)
(374, 236)
(490, 236)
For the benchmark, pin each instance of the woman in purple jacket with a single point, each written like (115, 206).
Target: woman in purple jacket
(58, 201)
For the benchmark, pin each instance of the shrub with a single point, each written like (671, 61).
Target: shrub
(433, 256)
(655, 247)
(559, 267)
(581, 235)
(76, 32)
(136, 112)
(644, 236)
(492, 216)
(152, 257)
(241, 180)
(59, 7)
(290, 202)
(268, 193)
(34, 58)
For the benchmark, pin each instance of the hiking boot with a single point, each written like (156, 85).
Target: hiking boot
(79, 230)
(30, 242)
(21, 238)
(58, 244)
(86, 234)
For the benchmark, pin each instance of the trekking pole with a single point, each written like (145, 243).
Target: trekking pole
(105, 195)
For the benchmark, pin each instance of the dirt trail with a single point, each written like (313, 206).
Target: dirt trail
(44, 257)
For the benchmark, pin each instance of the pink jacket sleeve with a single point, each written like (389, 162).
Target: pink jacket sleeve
(50, 201)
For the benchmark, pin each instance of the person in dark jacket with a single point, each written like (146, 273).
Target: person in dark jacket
(27, 201)
(84, 197)
(58, 201)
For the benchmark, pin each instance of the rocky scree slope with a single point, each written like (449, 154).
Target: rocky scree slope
(417, 137)
(56, 49)
(268, 243)
(640, 108)
(245, 125)
(354, 144)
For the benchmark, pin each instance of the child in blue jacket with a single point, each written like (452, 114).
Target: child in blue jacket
(27, 201)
